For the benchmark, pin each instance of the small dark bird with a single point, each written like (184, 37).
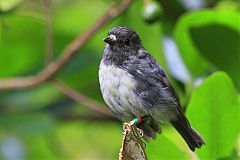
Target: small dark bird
(133, 84)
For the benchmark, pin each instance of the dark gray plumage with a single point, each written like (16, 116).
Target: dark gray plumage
(134, 85)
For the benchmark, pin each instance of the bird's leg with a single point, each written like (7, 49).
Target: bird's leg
(137, 121)
(136, 131)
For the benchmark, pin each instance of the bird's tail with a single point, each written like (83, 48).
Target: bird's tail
(190, 135)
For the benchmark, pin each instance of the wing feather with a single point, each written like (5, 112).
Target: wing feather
(153, 85)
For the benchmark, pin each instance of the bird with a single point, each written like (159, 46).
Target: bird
(133, 84)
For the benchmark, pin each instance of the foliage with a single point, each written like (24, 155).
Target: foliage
(215, 103)
(212, 37)
(42, 123)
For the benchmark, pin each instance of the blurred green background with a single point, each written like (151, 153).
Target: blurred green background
(196, 41)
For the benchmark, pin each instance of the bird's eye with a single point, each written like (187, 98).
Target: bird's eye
(127, 42)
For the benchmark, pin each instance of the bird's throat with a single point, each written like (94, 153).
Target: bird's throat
(114, 57)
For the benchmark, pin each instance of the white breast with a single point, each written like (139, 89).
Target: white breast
(117, 87)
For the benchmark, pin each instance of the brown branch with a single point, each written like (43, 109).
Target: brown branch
(146, 2)
(132, 145)
(48, 34)
(77, 96)
(53, 67)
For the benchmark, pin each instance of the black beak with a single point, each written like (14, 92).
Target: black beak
(110, 40)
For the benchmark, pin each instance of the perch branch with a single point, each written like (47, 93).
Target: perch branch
(78, 97)
(53, 67)
(132, 146)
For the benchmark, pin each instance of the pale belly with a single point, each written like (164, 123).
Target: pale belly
(117, 87)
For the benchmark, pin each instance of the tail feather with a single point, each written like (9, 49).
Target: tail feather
(190, 135)
(150, 127)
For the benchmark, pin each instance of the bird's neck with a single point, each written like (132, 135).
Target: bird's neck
(114, 56)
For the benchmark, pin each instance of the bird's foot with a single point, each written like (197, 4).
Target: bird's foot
(141, 133)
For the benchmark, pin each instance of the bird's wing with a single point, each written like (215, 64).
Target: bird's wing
(153, 85)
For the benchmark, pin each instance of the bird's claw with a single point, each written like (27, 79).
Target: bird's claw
(140, 132)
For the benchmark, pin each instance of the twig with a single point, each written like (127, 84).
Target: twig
(146, 2)
(77, 96)
(53, 67)
(48, 34)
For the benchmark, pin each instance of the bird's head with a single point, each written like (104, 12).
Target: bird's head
(123, 38)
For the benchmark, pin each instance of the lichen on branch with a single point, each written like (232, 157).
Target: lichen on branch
(133, 148)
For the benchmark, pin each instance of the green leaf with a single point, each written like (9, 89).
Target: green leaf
(221, 48)
(214, 111)
(7, 5)
(162, 148)
(210, 38)
(228, 5)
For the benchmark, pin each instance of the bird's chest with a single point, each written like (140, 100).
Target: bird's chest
(118, 90)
